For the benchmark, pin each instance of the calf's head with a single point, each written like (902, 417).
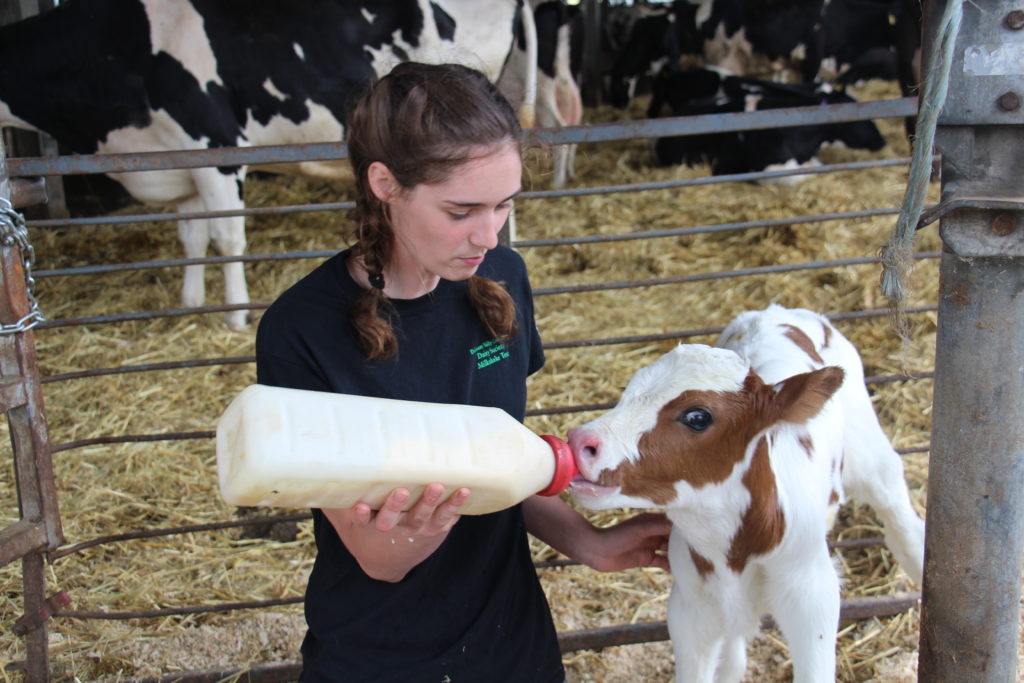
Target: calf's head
(684, 422)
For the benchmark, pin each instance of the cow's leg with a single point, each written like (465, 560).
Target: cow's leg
(194, 235)
(696, 644)
(803, 598)
(873, 474)
(733, 661)
(223, 191)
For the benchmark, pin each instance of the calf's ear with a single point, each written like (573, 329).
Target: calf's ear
(801, 397)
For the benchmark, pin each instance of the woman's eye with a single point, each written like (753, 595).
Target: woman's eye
(457, 216)
(696, 419)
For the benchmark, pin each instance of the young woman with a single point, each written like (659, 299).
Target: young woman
(405, 313)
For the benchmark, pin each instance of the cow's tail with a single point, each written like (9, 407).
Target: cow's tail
(528, 108)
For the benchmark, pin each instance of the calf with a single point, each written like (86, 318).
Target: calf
(750, 446)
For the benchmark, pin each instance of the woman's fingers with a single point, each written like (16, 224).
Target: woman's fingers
(390, 512)
(448, 513)
(430, 515)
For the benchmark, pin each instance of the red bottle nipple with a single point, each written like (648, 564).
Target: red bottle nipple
(565, 466)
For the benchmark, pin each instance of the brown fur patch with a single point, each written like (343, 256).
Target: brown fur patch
(704, 565)
(802, 396)
(803, 342)
(833, 498)
(671, 452)
(828, 335)
(807, 444)
(763, 523)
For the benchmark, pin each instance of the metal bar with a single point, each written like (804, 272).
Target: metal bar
(149, 367)
(604, 132)
(133, 438)
(181, 262)
(974, 535)
(151, 315)
(721, 275)
(171, 216)
(726, 123)
(531, 194)
(750, 176)
(175, 531)
(707, 229)
(976, 475)
(20, 539)
(561, 410)
(105, 615)
(252, 306)
(580, 343)
(522, 244)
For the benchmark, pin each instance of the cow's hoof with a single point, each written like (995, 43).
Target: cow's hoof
(237, 321)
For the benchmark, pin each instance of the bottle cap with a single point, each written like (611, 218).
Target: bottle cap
(565, 466)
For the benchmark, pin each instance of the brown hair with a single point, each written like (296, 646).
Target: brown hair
(422, 121)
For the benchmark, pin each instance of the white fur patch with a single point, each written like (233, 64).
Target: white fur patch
(173, 28)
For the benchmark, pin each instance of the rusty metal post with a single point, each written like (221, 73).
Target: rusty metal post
(975, 526)
(39, 528)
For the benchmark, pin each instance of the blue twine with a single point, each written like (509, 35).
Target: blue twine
(897, 254)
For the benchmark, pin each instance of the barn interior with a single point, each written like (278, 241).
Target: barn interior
(178, 372)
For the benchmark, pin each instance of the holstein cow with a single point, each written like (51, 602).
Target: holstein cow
(642, 42)
(809, 40)
(694, 92)
(109, 76)
(558, 100)
(750, 446)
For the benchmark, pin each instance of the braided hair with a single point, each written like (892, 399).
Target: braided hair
(422, 121)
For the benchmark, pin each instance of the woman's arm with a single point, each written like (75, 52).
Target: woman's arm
(388, 543)
(639, 541)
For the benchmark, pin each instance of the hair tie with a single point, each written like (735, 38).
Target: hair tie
(377, 281)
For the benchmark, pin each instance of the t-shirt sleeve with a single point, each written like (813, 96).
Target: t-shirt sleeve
(280, 361)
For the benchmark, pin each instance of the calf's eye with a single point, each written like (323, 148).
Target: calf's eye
(696, 419)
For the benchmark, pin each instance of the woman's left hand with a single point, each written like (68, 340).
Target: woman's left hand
(640, 541)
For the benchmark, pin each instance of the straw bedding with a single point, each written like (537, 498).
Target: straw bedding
(110, 489)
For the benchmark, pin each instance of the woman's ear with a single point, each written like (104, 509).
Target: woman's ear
(382, 181)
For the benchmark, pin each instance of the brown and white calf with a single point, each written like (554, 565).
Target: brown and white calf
(749, 446)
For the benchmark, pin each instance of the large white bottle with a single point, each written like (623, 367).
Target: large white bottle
(294, 448)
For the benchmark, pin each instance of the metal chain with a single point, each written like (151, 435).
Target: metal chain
(14, 233)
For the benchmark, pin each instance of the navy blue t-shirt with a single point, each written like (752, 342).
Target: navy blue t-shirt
(474, 610)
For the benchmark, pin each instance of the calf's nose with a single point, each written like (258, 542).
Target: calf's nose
(585, 444)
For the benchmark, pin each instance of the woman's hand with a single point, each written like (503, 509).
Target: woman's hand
(389, 542)
(428, 517)
(640, 541)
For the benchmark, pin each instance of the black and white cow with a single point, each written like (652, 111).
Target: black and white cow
(708, 91)
(641, 41)
(109, 76)
(833, 41)
(558, 66)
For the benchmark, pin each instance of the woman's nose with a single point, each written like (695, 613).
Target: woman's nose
(486, 232)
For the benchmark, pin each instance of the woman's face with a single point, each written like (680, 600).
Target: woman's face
(444, 230)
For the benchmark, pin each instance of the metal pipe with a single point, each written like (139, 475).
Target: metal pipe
(974, 531)
(603, 132)
(975, 514)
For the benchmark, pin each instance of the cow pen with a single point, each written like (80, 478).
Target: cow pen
(734, 265)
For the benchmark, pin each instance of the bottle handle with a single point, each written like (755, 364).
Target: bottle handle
(565, 466)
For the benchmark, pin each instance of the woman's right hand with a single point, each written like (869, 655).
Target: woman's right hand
(389, 542)
(431, 515)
